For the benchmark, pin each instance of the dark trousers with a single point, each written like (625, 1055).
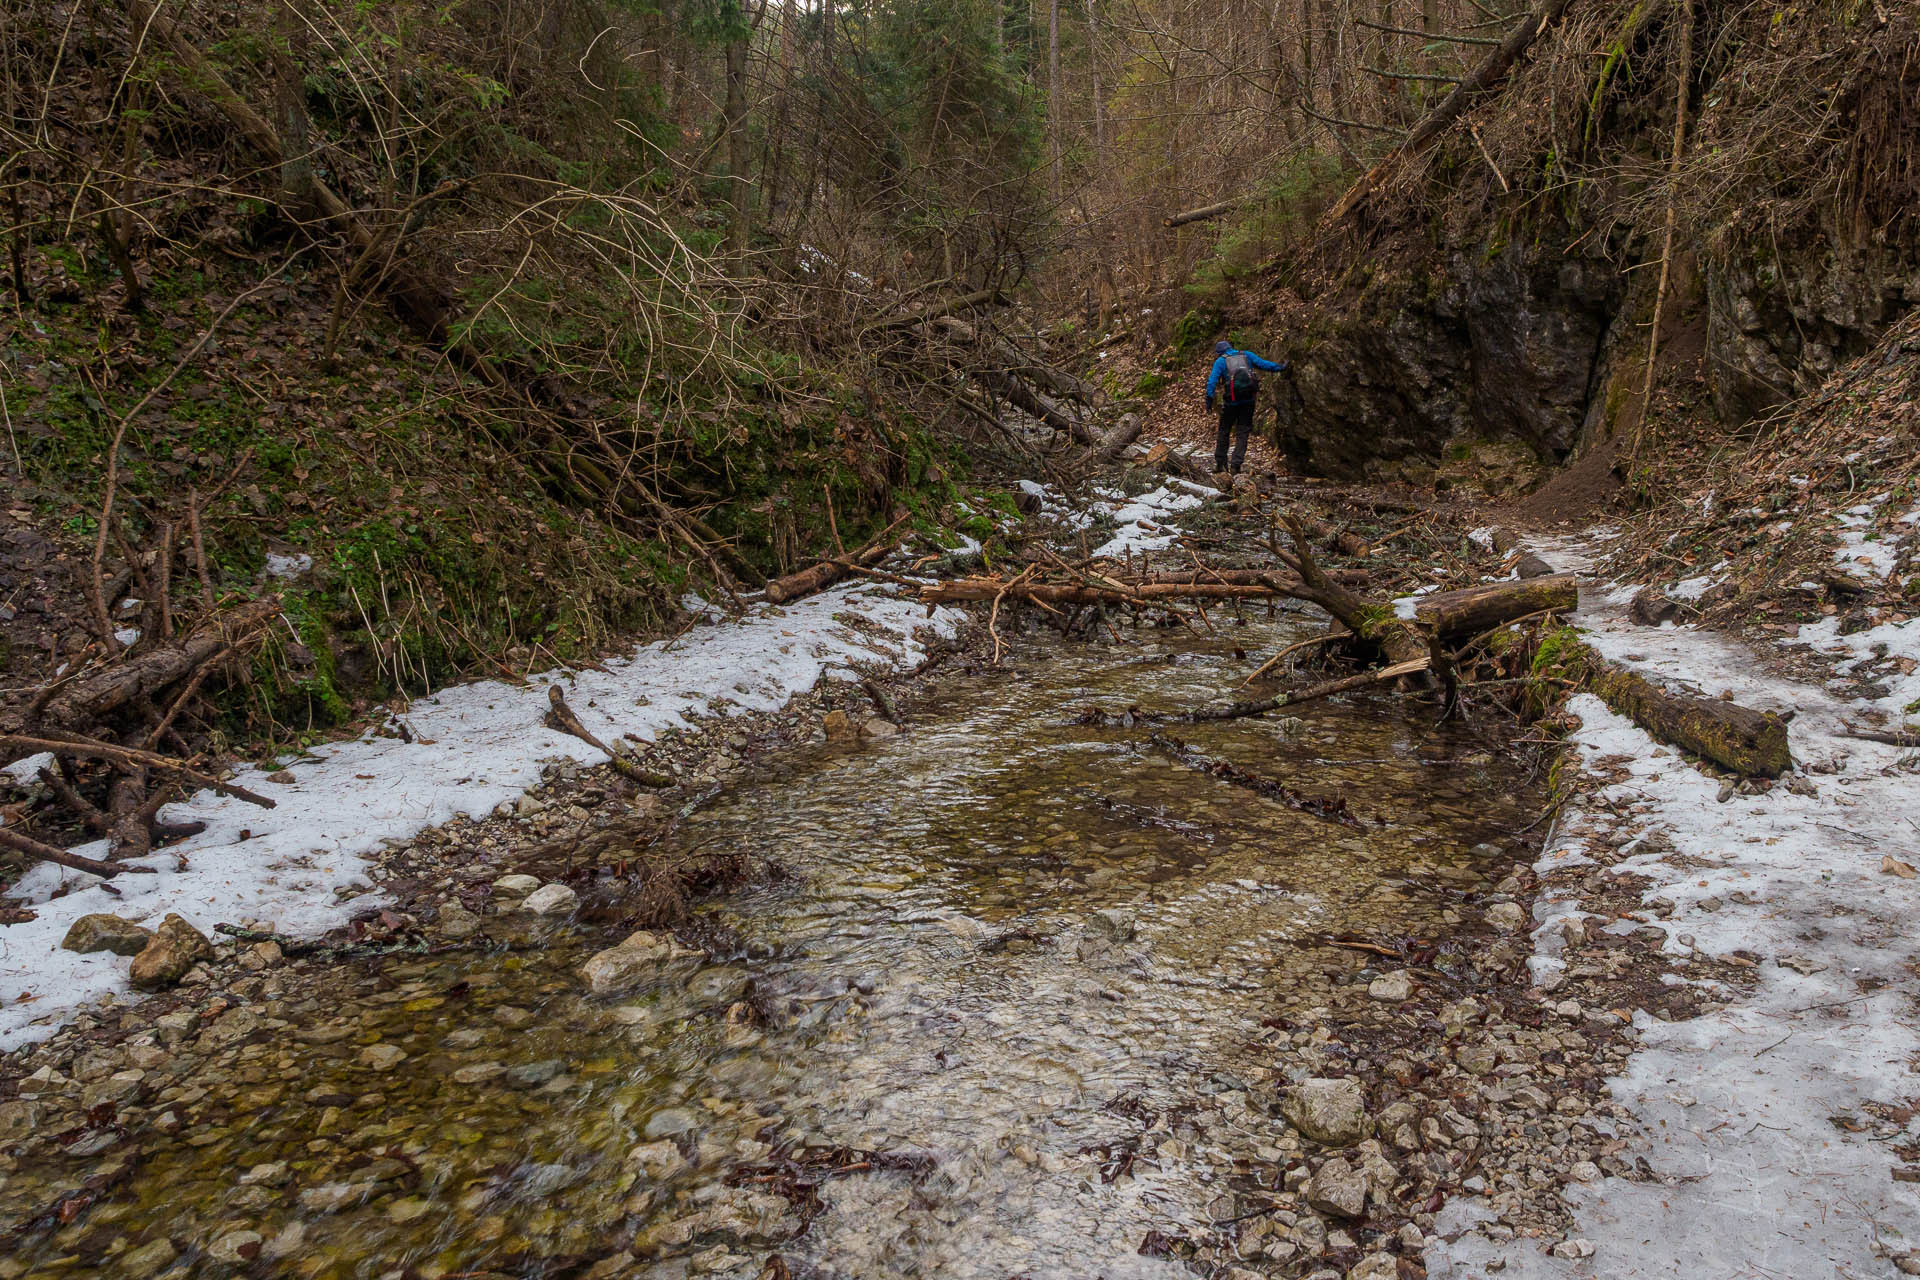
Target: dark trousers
(1236, 422)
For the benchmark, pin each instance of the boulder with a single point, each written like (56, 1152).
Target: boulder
(175, 948)
(1330, 1111)
(102, 932)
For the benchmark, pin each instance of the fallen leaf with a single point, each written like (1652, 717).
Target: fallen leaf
(1892, 866)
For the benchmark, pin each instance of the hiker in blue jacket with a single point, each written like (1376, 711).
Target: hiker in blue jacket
(1236, 377)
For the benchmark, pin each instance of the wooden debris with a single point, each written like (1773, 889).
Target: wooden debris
(1334, 810)
(560, 716)
(1749, 742)
(1325, 689)
(1472, 610)
(831, 570)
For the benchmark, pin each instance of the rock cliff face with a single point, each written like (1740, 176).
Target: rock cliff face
(1470, 348)
(1519, 346)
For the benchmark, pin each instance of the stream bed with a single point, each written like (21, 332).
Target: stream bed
(1018, 1001)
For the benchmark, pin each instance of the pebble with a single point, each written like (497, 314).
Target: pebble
(532, 1075)
(236, 1247)
(1573, 1249)
(1330, 1111)
(1507, 917)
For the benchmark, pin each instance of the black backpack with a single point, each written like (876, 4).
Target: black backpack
(1243, 382)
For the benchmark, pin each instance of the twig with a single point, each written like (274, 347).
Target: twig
(1308, 643)
(76, 745)
(561, 717)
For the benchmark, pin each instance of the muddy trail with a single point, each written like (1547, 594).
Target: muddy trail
(1025, 997)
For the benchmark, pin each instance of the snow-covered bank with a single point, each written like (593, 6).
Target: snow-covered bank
(472, 746)
(1774, 1123)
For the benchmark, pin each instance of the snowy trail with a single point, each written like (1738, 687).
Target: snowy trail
(1773, 1121)
(474, 746)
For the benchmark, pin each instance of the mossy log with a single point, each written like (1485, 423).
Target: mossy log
(1472, 610)
(1751, 743)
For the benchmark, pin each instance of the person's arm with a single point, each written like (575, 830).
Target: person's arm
(1213, 377)
(1265, 365)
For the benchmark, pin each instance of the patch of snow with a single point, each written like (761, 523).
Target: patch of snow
(474, 746)
(1759, 1176)
(1142, 520)
(288, 565)
(1482, 538)
(127, 636)
(1693, 588)
(22, 771)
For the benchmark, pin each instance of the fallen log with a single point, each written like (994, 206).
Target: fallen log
(1023, 396)
(1491, 72)
(1168, 460)
(1350, 576)
(964, 589)
(1334, 810)
(1203, 213)
(1748, 742)
(1325, 689)
(1471, 610)
(91, 696)
(72, 744)
(1117, 441)
(831, 570)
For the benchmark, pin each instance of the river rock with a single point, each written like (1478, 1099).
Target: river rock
(515, 887)
(638, 959)
(723, 985)
(169, 955)
(332, 1197)
(839, 727)
(1394, 987)
(1376, 1266)
(382, 1057)
(236, 1247)
(659, 1160)
(878, 728)
(669, 1123)
(148, 1260)
(1338, 1188)
(1330, 1111)
(551, 899)
(102, 932)
(1507, 917)
(456, 922)
(531, 1075)
(1111, 923)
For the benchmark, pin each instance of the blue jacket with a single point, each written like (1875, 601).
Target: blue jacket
(1220, 369)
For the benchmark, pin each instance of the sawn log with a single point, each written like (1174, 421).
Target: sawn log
(1471, 610)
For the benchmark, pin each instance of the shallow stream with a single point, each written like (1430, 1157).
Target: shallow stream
(1049, 974)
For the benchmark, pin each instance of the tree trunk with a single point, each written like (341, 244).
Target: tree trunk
(739, 222)
(290, 104)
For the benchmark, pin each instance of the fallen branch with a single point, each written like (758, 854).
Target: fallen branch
(1491, 72)
(47, 853)
(73, 744)
(1330, 810)
(1325, 689)
(560, 717)
(1474, 609)
(1203, 213)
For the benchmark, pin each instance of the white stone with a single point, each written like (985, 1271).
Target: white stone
(551, 899)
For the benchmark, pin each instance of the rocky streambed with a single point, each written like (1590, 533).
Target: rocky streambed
(1021, 997)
